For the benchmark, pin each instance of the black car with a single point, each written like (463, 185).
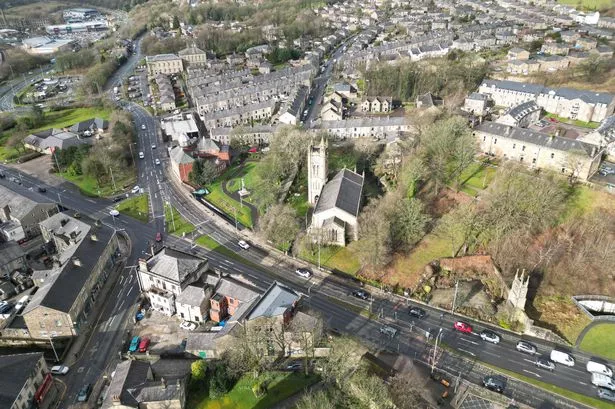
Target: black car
(118, 198)
(362, 294)
(494, 383)
(417, 312)
(84, 393)
(2, 175)
(42, 189)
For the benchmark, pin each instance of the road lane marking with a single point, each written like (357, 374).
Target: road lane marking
(583, 383)
(533, 373)
(129, 291)
(466, 351)
(467, 340)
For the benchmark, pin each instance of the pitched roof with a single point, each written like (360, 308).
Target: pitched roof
(15, 370)
(53, 138)
(19, 204)
(277, 299)
(191, 51)
(192, 295)
(179, 156)
(207, 145)
(128, 375)
(522, 110)
(298, 100)
(174, 264)
(342, 192)
(234, 289)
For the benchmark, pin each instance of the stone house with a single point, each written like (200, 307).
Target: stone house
(166, 64)
(554, 48)
(586, 43)
(522, 115)
(193, 56)
(517, 53)
(181, 163)
(377, 104)
(20, 215)
(25, 382)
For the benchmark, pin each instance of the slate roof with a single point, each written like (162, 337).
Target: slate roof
(521, 110)
(15, 370)
(298, 100)
(10, 251)
(568, 93)
(179, 156)
(174, 264)
(89, 124)
(207, 145)
(477, 96)
(161, 57)
(191, 51)
(53, 138)
(20, 205)
(128, 375)
(538, 138)
(192, 295)
(233, 289)
(277, 299)
(342, 192)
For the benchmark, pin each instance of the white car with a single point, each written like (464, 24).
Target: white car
(136, 189)
(114, 213)
(188, 326)
(157, 161)
(59, 370)
(141, 155)
(303, 272)
(243, 244)
(153, 146)
(143, 127)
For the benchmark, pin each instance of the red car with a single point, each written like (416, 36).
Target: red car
(144, 344)
(253, 149)
(158, 237)
(463, 327)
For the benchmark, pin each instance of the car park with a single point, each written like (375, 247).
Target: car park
(494, 383)
(134, 344)
(84, 393)
(362, 294)
(463, 327)
(188, 326)
(144, 344)
(526, 347)
(545, 363)
(490, 336)
(303, 272)
(243, 244)
(59, 370)
(417, 312)
(606, 394)
(114, 213)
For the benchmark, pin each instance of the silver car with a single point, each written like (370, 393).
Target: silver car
(490, 336)
(606, 394)
(526, 347)
(545, 363)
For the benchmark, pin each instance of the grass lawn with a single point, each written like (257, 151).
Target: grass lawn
(247, 173)
(175, 223)
(67, 117)
(600, 340)
(576, 122)
(334, 258)
(585, 200)
(476, 177)
(136, 207)
(6, 153)
(589, 4)
(89, 186)
(281, 386)
(227, 204)
(297, 194)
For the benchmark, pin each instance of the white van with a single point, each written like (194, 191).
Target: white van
(597, 367)
(603, 381)
(21, 304)
(563, 358)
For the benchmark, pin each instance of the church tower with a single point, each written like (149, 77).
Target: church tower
(317, 169)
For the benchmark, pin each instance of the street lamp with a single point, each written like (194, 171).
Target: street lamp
(53, 348)
(435, 350)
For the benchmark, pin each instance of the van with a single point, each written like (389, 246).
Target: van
(603, 381)
(390, 331)
(21, 304)
(563, 358)
(597, 367)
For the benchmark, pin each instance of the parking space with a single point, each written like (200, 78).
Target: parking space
(605, 176)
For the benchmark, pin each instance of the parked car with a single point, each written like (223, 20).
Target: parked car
(15, 180)
(463, 327)
(118, 198)
(244, 245)
(41, 189)
(387, 330)
(59, 370)
(4, 307)
(606, 394)
(134, 344)
(84, 393)
(303, 272)
(187, 325)
(2, 175)
(153, 146)
(144, 344)
(417, 312)
(157, 161)
(490, 336)
(135, 189)
(362, 294)
(494, 383)
(526, 347)
(21, 304)
(114, 213)
(545, 363)
(294, 366)
(77, 215)
(141, 155)
(143, 127)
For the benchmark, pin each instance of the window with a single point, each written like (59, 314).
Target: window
(484, 138)
(534, 160)
(495, 141)
(514, 145)
(197, 318)
(523, 148)
(231, 301)
(563, 170)
(552, 155)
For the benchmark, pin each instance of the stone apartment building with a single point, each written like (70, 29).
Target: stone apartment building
(517, 53)
(522, 115)
(536, 150)
(244, 115)
(86, 255)
(376, 127)
(193, 56)
(523, 67)
(166, 64)
(25, 382)
(20, 215)
(377, 104)
(251, 135)
(166, 274)
(555, 48)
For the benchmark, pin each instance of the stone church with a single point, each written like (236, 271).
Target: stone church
(337, 202)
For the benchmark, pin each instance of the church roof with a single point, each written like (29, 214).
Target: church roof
(342, 192)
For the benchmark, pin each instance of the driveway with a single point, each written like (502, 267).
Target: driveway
(39, 168)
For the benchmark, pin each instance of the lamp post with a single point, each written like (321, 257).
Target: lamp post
(435, 350)
(53, 348)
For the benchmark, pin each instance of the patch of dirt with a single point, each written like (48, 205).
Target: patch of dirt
(39, 169)
(471, 295)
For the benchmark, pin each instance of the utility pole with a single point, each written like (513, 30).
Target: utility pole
(435, 351)
(54, 349)
(455, 297)
(113, 179)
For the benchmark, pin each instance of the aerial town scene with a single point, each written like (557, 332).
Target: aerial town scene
(275, 204)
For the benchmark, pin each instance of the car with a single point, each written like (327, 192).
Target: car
(84, 393)
(158, 237)
(606, 394)
(362, 294)
(417, 312)
(141, 155)
(244, 245)
(157, 161)
(188, 326)
(144, 344)
(41, 189)
(2, 175)
(494, 383)
(114, 213)
(303, 272)
(15, 180)
(5, 307)
(135, 189)
(294, 366)
(143, 127)
(545, 363)
(118, 198)
(153, 146)
(134, 344)
(59, 370)
(526, 347)
(490, 336)
(387, 330)
(77, 215)
(463, 327)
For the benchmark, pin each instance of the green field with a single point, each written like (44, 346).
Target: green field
(281, 385)
(588, 4)
(476, 177)
(89, 186)
(225, 203)
(576, 122)
(334, 258)
(600, 340)
(136, 207)
(175, 223)
(68, 117)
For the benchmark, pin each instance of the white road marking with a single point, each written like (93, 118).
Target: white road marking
(467, 352)
(129, 291)
(533, 373)
(529, 360)
(467, 340)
